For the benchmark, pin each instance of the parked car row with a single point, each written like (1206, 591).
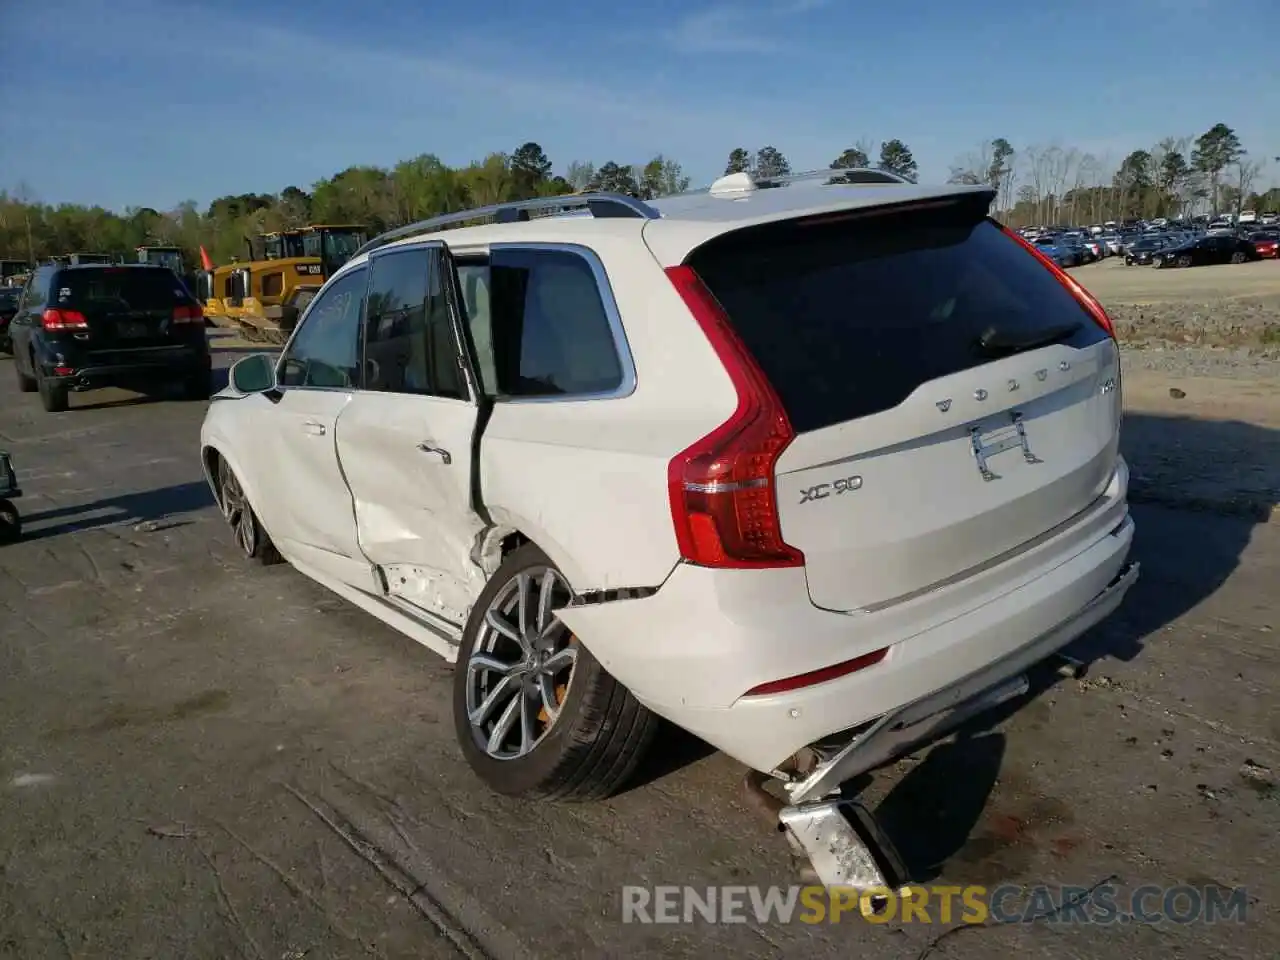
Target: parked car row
(1073, 248)
(1210, 248)
(1161, 243)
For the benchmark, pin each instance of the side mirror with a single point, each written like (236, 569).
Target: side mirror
(255, 373)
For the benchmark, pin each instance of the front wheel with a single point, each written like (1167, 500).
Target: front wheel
(1184, 261)
(250, 536)
(536, 715)
(1238, 257)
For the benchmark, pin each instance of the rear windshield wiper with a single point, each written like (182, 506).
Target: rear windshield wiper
(1004, 342)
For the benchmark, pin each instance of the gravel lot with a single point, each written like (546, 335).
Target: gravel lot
(1233, 306)
(203, 759)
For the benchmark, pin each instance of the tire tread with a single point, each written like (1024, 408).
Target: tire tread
(610, 732)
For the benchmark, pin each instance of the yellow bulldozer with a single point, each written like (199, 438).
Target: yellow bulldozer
(263, 297)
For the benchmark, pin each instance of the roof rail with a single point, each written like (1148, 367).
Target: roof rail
(737, 184)
(601, 205)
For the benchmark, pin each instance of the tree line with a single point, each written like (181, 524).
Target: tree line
(374, 197)
(1211, 173)
(1180, 176)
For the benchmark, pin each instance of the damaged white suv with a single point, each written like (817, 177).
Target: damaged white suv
(811, 469)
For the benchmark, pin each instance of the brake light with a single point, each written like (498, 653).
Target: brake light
(188, 313)
(1086, 299)
(55, 319)
(723, 498)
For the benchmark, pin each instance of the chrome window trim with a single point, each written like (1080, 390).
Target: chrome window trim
(621, 347)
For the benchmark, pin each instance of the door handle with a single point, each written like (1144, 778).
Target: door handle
(314, 428)
(441, 452)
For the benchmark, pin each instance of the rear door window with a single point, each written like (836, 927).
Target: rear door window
(120, 290)
(409, 339)
(547, 326)
(848, 318)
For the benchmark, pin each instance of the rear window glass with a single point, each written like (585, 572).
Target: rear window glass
(848, 318)
(150, 288)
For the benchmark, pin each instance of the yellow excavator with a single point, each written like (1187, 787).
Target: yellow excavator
(264, 296)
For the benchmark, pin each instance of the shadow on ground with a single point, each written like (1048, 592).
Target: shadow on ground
(159, 506)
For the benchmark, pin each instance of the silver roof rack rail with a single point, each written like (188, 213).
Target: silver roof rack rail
(600, 205)
(736, 184)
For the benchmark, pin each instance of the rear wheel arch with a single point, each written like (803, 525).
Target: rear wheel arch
(589, 752)
(510, 533)
(209, 459)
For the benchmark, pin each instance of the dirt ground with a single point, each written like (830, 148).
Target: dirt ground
(1231, 305)
(1112, 282)
(199, 758)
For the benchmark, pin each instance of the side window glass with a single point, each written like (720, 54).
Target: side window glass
(550, 331)
(325, 351)
(34, 293)
(473, 279)
(409, 340)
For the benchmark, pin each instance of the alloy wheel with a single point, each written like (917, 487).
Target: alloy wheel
(237, 512)
(521, 665)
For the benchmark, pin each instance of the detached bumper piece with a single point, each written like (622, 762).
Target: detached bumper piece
(846, 848)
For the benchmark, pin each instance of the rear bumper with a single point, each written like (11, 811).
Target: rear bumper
(691, 650)
(930, 716)
(147, 364)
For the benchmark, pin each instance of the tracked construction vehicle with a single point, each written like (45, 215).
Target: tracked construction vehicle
(263, 297)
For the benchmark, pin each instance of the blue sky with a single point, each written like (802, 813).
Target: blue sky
(150, 102)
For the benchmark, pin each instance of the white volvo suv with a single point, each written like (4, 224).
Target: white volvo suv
(810, 469)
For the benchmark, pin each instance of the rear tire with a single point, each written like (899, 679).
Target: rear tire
(1238, 257)
(584, 745)
(197, 386)
(10, 522)
(250, 536)
(53, 396)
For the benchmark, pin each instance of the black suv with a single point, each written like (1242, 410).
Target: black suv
(132, 325)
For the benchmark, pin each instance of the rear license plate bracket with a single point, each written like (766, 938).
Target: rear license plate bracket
(997, 440)
(131, 329)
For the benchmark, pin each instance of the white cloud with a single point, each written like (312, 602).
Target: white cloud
(722, 29)
(739, 27)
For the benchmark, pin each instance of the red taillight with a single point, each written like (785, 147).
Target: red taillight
(1083, 296)
(55, 319)
(188, 313)
(723, 497)
(814, 677)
